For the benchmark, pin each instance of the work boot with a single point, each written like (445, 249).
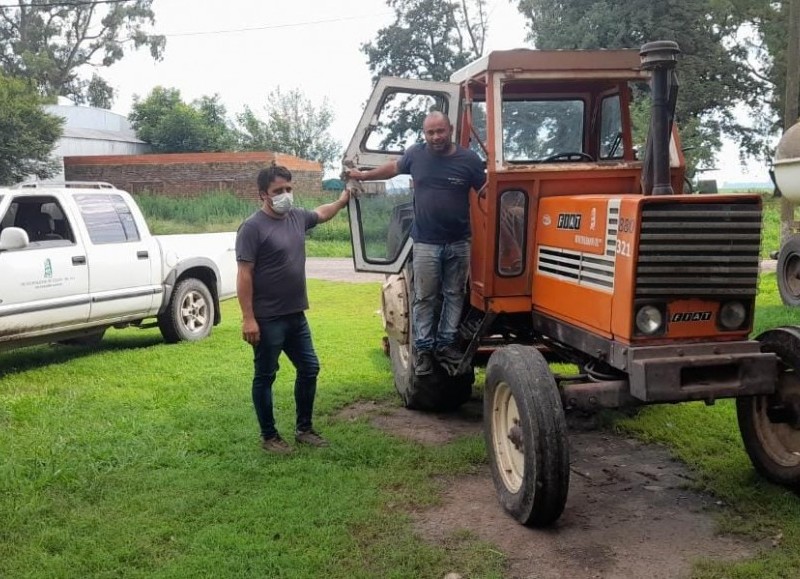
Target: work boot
(310, 438)
(424, 365)
(276, 445)
(449, 354)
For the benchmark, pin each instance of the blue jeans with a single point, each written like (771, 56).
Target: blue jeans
(440, 271)
(290, 334)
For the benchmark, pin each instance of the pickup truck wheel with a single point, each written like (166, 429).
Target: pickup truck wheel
(770, 424)
(788, 271)
(526, 435)
(190, 313)
(437, 392)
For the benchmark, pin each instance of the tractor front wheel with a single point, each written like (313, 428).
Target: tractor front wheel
(526, 435)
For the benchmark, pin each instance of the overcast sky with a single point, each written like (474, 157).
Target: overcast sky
(244, 49)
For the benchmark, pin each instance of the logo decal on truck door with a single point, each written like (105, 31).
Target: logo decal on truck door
(48, 268)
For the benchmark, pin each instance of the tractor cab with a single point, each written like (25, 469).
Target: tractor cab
(546, 123)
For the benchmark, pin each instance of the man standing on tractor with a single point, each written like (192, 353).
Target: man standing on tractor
(443, 174)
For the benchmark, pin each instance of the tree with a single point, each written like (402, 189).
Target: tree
(293, 126)
(99, 93)
(764, 35)
(429, 39)
(27, 133)
(170, 125)
(54, 43)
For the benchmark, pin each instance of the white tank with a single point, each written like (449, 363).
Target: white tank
(787, 164)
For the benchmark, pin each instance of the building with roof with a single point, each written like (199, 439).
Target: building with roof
(99, 145)
(93, 131)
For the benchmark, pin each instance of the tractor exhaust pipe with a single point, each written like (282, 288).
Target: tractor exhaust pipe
(660, 57)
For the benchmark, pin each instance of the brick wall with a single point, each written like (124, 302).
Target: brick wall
(191, 174)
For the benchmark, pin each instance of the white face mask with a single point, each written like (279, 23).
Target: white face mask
(282, 203)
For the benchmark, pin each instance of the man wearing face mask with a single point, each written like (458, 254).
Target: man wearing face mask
(271, 286)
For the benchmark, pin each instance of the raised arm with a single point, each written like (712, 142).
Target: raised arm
(385, 171)
(329, 210)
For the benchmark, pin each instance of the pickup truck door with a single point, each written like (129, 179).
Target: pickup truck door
(382, 213)
(44, 286)
(122, 257)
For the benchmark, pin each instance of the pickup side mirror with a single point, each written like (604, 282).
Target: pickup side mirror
(13, 238)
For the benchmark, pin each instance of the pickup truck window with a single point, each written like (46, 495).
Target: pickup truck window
(108, 218)
(42, 219)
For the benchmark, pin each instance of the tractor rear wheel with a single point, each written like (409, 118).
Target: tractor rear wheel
(436, 392)
(526, 435)
(770, 424)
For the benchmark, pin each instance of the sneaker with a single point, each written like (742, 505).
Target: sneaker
(424, 365)
(275, 445)
(449, 355)
(310, 438)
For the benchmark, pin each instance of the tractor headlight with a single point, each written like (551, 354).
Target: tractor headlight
(732, 315)
(649, 320)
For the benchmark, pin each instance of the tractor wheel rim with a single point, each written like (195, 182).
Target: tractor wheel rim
(507, 439)
(780, 441)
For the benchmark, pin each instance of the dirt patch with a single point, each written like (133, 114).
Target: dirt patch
(630, 513)
(424, 428)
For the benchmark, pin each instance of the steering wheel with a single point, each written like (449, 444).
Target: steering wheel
(569, 156)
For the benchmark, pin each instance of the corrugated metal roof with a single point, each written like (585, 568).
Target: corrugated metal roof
(97, 134)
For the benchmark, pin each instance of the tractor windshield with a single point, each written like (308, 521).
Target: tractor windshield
(536, 130)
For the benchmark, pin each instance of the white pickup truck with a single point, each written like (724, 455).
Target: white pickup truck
(78, 259)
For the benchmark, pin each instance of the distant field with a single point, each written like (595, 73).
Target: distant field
(224, 212)
(216, 212)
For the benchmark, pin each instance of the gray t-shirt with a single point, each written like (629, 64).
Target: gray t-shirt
(277, 247)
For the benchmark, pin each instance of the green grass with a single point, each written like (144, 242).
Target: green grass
(142, 460)
(217, 212)
(771, 226)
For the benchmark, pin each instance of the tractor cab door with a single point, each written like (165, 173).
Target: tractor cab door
(381, 212)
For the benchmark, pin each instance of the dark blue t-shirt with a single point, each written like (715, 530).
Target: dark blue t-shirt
(441, 192)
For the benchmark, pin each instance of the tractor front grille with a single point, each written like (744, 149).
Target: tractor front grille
(698, 250)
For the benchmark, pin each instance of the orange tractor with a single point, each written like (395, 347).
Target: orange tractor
(584, 249)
